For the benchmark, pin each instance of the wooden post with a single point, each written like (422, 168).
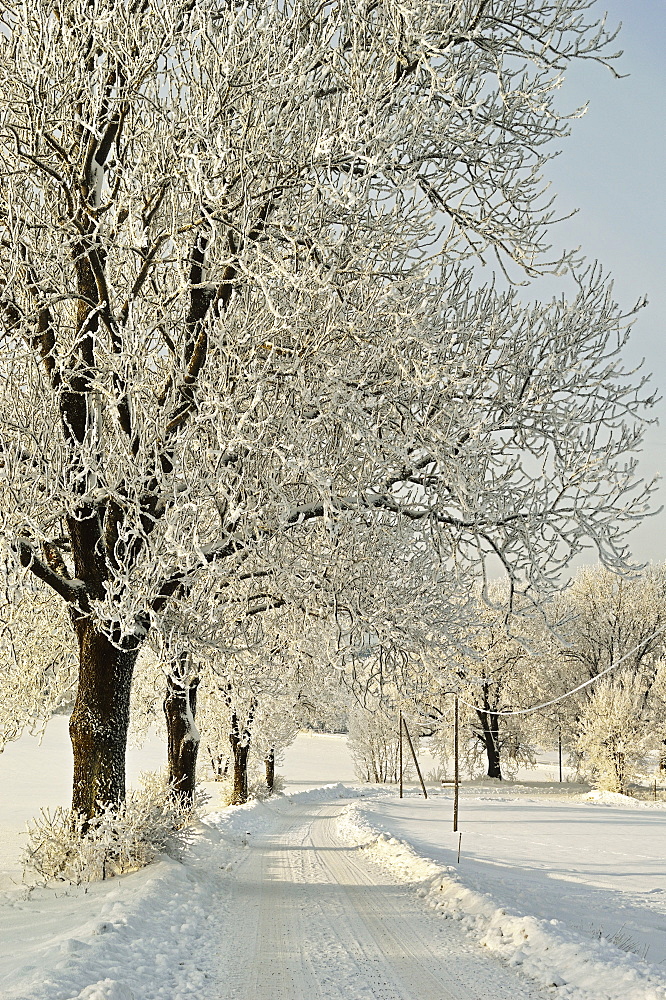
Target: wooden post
(418, 769)
(456, 769)
(559, 747)
(400, 745)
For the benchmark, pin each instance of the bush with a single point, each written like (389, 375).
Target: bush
(260, 791)
(615, 738)
(118, 840)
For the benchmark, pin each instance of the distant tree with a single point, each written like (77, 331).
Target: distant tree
(496, 671)
(605, 619)
(500, 682)
(374, 743)
(255, 678)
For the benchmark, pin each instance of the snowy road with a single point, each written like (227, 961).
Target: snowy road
(312, 918)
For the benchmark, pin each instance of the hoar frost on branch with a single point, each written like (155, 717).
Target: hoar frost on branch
(37, 662)
(236, 304)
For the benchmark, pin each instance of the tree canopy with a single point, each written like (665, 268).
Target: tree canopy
(242, 317)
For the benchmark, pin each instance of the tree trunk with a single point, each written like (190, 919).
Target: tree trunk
(180, 707)
(99, 722)
(490, 726)
(240, 746)
(270, 770)
(493, 754)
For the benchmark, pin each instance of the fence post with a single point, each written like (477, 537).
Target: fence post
(400, 745)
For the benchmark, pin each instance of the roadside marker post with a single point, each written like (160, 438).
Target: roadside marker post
(400, 745)
(456, 768)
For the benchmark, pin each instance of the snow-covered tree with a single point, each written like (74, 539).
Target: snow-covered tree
(277, 722)
(257, 692)
(605, 619)
(496, 668)
(502, 680)
(233, 283)
(374, 743)
(244, 737)
(180, 709)
(614, 739)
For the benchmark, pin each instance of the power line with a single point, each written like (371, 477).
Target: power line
(567, 694)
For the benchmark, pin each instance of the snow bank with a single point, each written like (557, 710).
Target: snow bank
(623, 801)
(160, 925)
(547, 951)
(156, 926)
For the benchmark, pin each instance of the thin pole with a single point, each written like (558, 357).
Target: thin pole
(418, 769)
(400, 744)
(456, 769)
(559, 746)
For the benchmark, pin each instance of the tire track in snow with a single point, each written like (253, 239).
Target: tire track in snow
(263, 925)
(429, 958)
(309, 918)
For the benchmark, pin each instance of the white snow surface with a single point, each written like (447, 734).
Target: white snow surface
(345, 891)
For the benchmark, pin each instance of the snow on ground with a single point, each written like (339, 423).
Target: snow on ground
(557, 888)
(37, 774)
(345, 892)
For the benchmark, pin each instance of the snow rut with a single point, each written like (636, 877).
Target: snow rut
(312, 919)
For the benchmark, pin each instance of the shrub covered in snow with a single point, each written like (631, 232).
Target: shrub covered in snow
(615, 739)
(119, 839)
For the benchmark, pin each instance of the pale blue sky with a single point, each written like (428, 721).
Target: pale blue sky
(612, 170)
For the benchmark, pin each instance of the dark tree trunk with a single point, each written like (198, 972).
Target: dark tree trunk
(240, 747)
(99, 722)
(270, 770)
(490, 735)
(493, 754)
(180, 707)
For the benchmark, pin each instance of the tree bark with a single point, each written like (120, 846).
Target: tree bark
(180, 707)
(490, 727)
(240, 746)
(270, 770)
(99, 722)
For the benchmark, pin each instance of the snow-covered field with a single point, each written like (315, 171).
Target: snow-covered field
(348, 892)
